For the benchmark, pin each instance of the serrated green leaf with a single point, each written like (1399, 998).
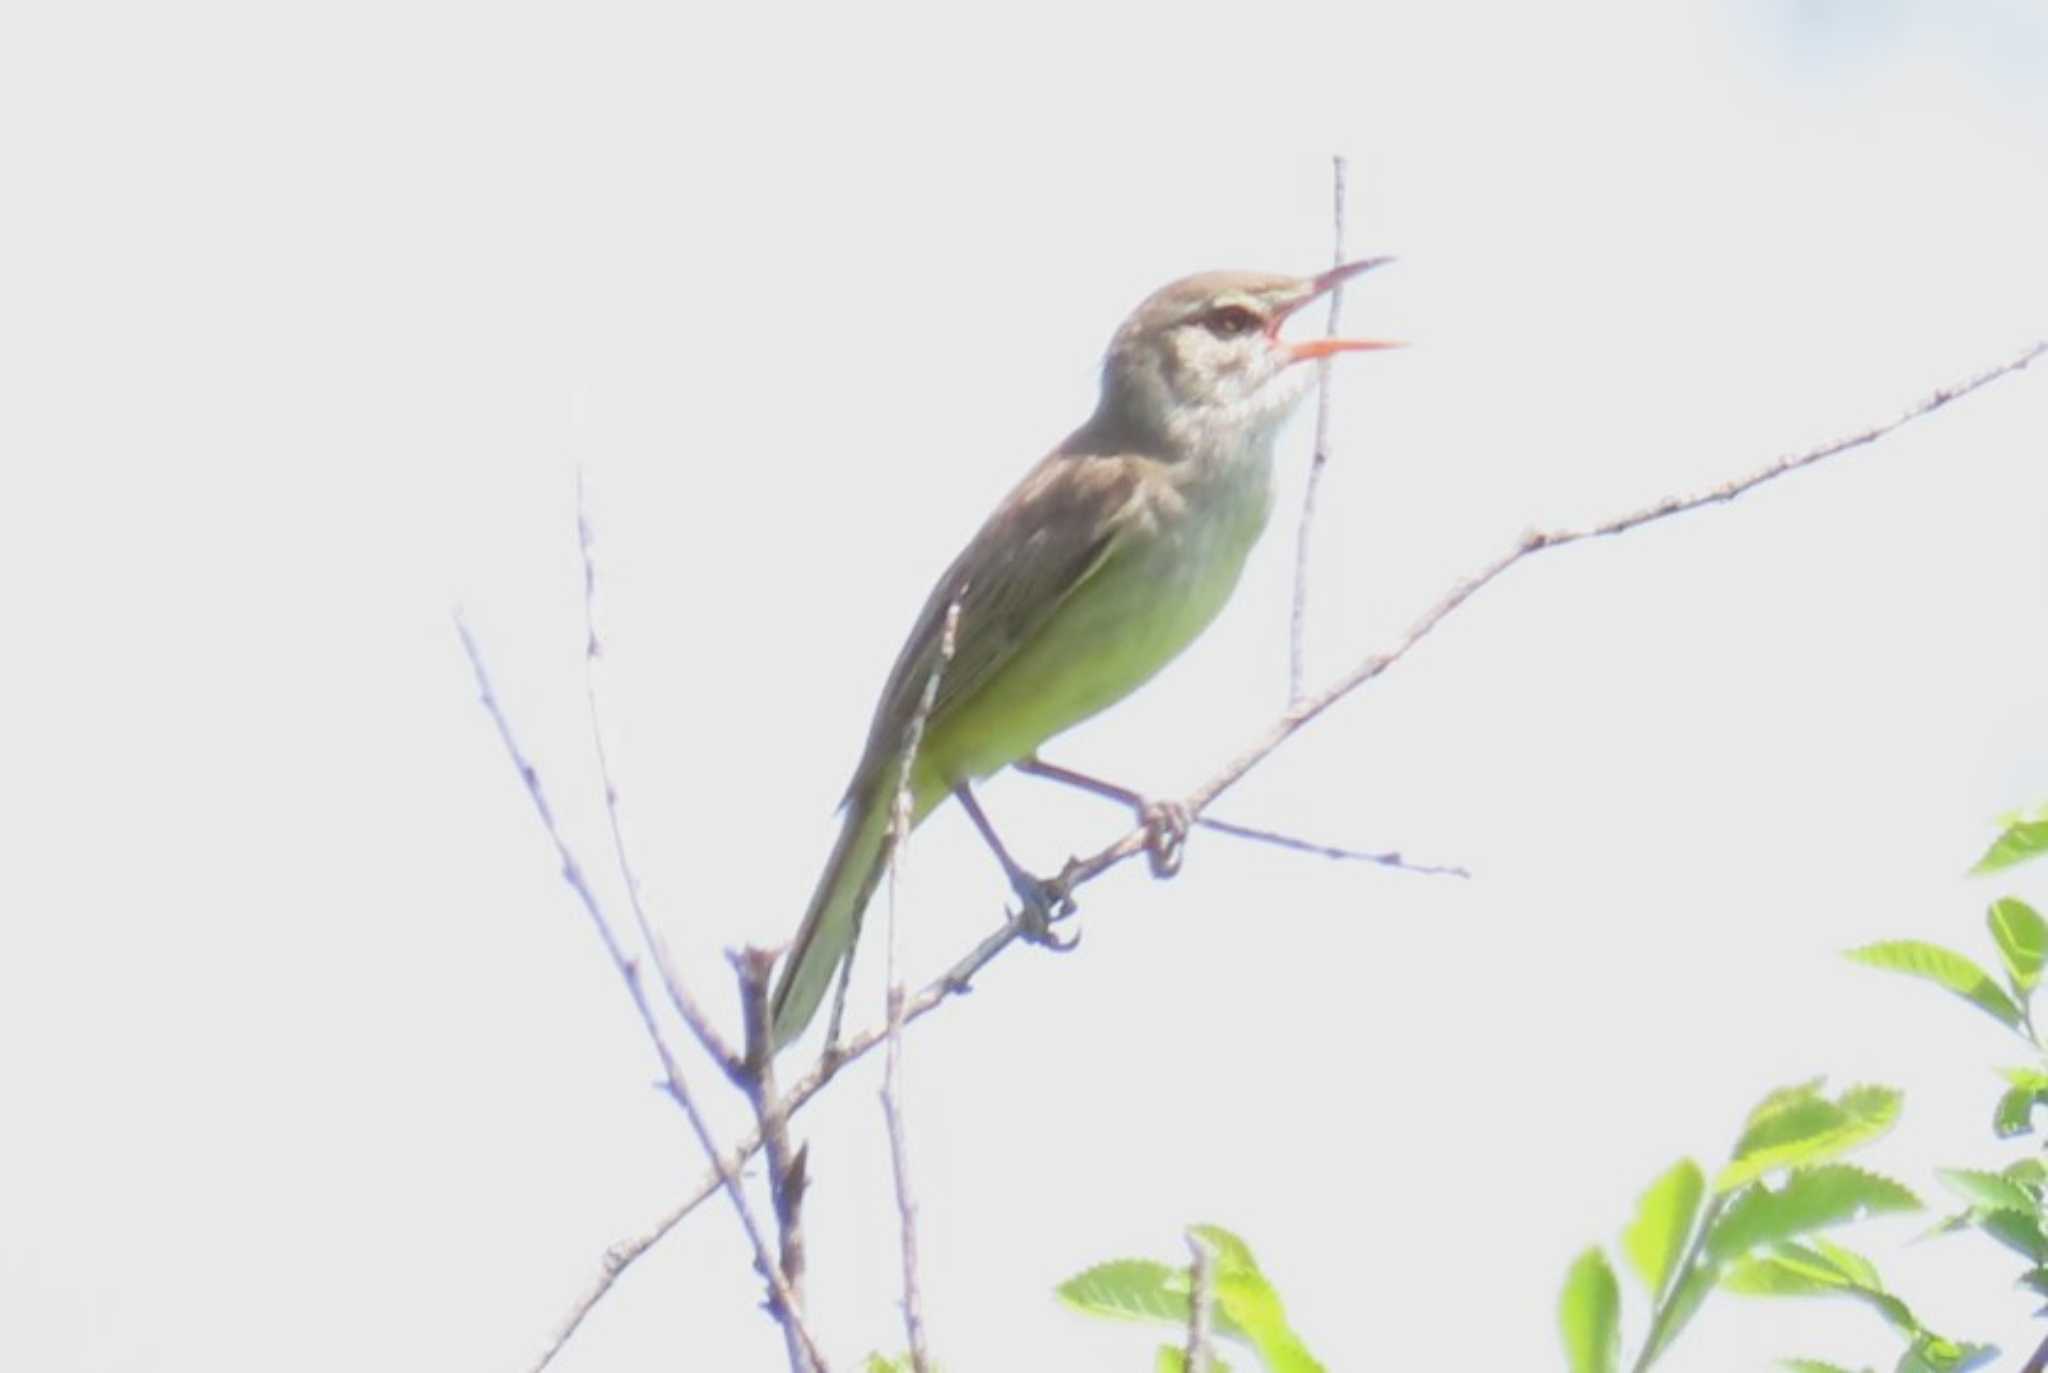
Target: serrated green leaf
(2030, 1173)
(1988, 1191)
(1139, 1290)
(1589, 1315)
(1127, 1289)
(1859, 1270)
(2024, 838)
(2017, 1231)
(1945, 968)
(1796, 1127)
(1811, 1199)
(2022, 938)
(1771, 1275)
(1663, 1221)
(1821, 1270)
(2014, 1113)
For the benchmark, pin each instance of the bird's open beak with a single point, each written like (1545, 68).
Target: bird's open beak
(1319, 286)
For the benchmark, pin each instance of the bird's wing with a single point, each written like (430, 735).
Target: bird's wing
(1051, 534)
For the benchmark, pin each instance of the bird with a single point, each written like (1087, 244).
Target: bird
(1111, 556)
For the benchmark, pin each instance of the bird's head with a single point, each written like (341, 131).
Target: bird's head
(1203, 358)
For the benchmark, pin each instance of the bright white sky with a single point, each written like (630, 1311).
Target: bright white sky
(310, 1061)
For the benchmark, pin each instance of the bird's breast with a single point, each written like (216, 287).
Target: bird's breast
(1160, 585)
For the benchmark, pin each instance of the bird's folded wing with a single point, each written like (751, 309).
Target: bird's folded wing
(1060, 524)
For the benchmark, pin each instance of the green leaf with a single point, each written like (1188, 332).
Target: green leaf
(1944, 968)
(1247, 1304)
(1796, 1126)
(1814, 1366)
(877, 1363)
(1811, 1198)
(1663, 1221)
(1932, 1354)
(2024, 838)
(2030, 1173)
(1819, 1270)
(1589, 1315)
(2022, 938)
(2018, 1231)
(1128, 1289)
(1173, 1358)
(2035, 1280)
(1138, 1290)
(2014, 1114)
(1859, 1269)
(1988, 1191)
(1771, 1275)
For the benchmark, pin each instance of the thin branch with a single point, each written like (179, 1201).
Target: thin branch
(892, 1073)
(1297, 636)
(755, 1075)
(1387, 859)
(1201, 1303)
(906, 1196)
(788, 1174)
(1078, 871)
(678, 995)
(1034, 766)
(1308, 709)
(629, 972)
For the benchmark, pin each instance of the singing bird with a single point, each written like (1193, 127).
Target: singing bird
(1106, 561)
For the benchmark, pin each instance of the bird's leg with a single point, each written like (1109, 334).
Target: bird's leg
(1166, 822)
(1044, 900)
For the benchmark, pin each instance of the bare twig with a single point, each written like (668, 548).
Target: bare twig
(1388, 859)
(2039, 1361)
(629, 972)
(1297, 636)
(1035, 766)
(787, 1171)
(1079, 871)
(906, 1195)
(678, 995)
(1201, 1303)
(1308, 709)
(892, 1073)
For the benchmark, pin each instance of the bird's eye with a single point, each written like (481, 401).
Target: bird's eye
(1230, 321)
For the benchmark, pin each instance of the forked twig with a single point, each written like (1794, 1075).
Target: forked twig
(727, 1174)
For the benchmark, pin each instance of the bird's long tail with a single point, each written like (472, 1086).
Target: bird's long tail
(826, 936)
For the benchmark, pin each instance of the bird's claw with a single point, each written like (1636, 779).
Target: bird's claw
(1166, 835)
(1042, 902)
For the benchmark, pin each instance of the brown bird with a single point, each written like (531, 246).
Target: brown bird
(1107, 560)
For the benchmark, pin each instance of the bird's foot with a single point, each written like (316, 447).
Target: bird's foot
(1044, 901)
(1166, 835)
